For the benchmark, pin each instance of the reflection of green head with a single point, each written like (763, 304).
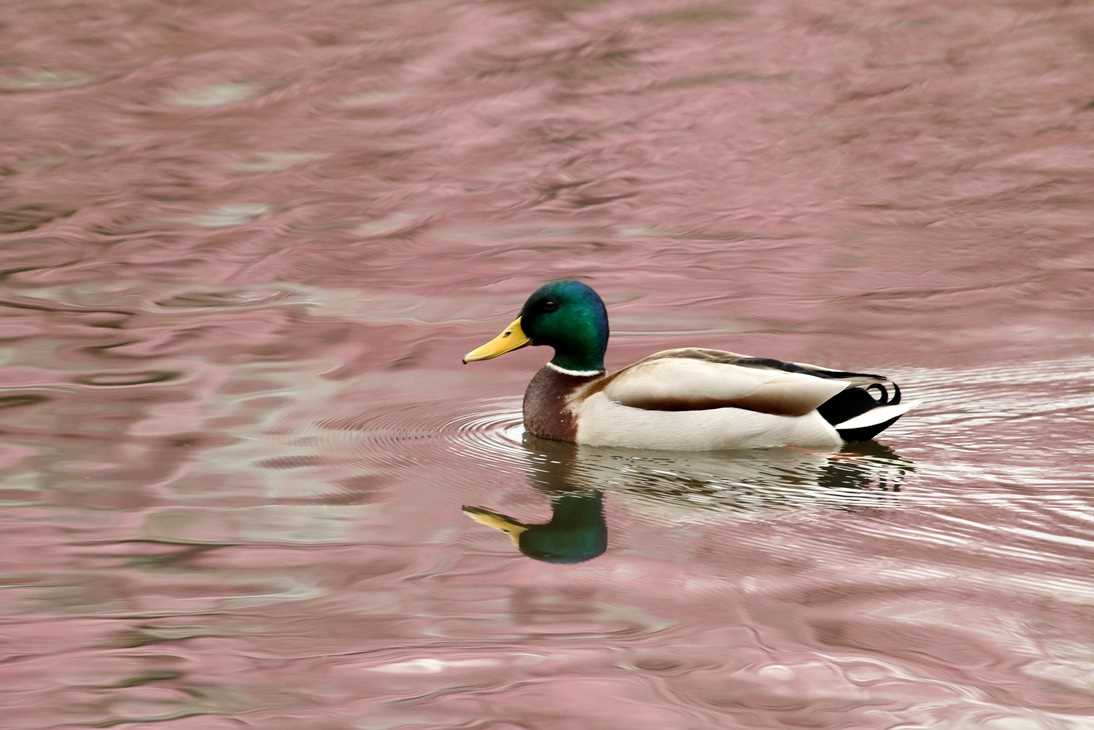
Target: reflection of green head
(576, 532)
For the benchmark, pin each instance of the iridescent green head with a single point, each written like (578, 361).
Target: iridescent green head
(566, 315)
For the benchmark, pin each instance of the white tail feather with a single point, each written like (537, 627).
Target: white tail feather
(877, 415)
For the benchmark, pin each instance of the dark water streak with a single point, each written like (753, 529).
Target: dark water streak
(242, 250)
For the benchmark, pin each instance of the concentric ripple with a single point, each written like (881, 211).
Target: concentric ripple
(492, 431)
(488, 429)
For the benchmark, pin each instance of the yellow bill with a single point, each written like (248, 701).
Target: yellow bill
(508, 525)
(511, 338)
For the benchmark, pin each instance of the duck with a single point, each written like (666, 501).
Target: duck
(683, 399)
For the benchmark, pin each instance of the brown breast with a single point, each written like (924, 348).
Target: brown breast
(546, 408)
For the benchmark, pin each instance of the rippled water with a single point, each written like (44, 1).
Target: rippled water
(243, 248)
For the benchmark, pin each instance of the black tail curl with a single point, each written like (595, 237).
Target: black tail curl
(883, 398)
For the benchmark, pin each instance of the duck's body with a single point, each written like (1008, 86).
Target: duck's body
(686, 399)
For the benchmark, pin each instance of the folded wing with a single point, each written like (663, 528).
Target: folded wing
(697, 379)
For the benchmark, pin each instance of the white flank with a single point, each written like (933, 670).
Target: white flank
(604, 422)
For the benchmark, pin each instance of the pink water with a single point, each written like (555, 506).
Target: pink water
(243, 247)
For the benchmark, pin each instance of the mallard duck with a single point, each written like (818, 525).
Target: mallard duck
(690, 399)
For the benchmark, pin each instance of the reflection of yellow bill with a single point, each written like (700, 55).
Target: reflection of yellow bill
(511, 338)
(499, 522)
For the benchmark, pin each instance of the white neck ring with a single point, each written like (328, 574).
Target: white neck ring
(575, 373)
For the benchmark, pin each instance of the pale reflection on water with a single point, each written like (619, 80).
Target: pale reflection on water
(685, 487)
(242, 250)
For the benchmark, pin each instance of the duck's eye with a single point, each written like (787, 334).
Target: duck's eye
(550, 305)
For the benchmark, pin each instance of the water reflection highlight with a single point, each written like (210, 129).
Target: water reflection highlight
(683, 486)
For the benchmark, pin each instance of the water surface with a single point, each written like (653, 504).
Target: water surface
(243, 248)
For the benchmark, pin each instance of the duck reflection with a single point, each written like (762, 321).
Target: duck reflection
(576, 531)
(671, 488)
